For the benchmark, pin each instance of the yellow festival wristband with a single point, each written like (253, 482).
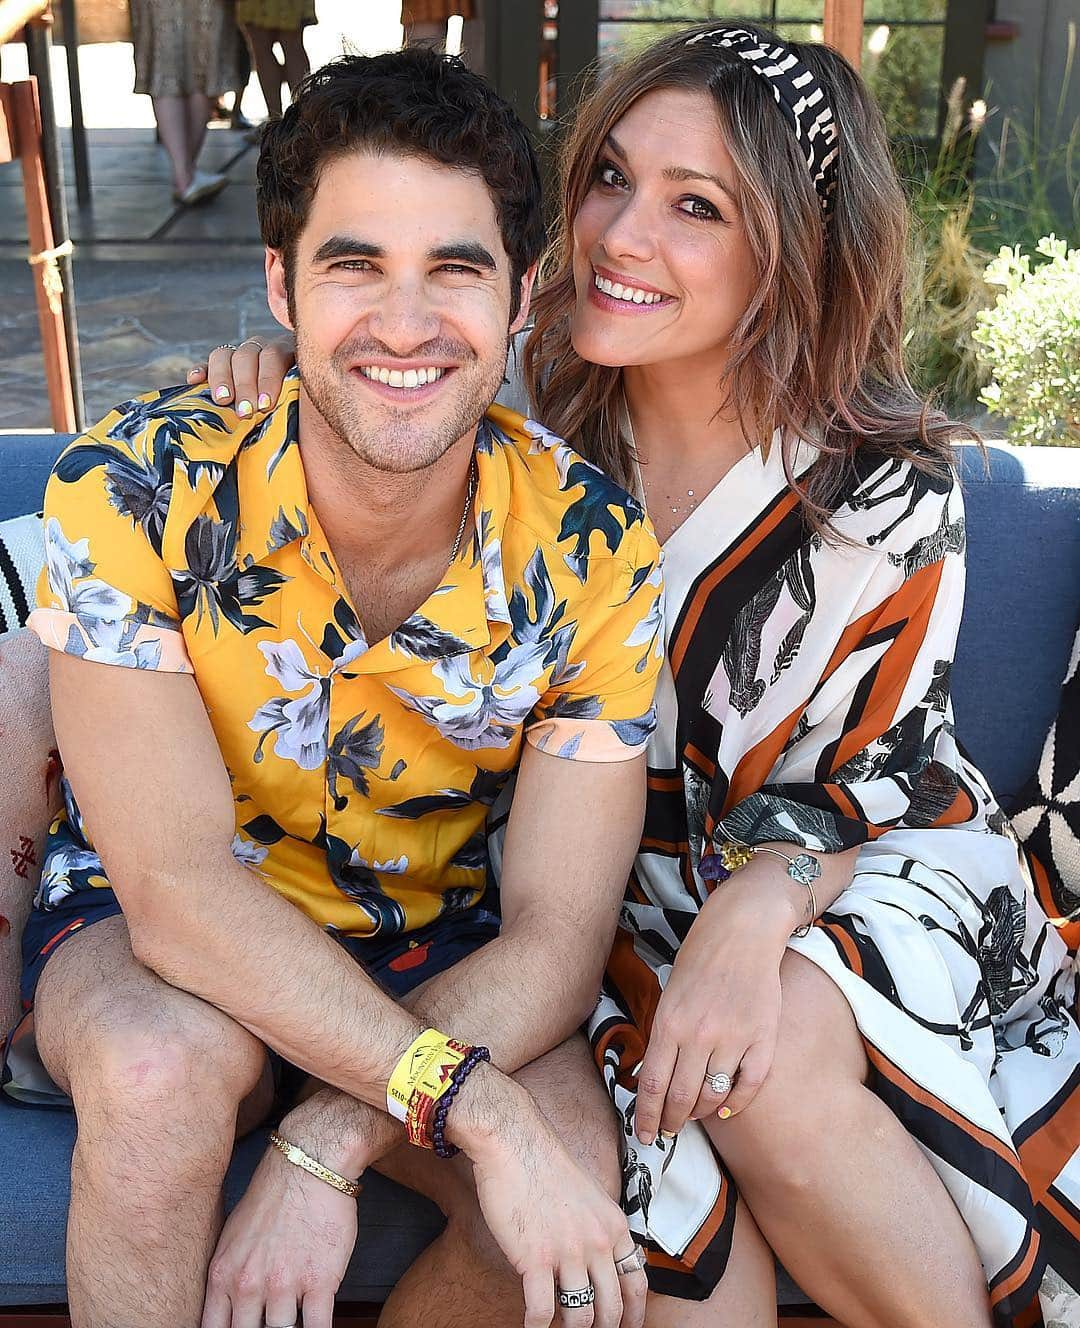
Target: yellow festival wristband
(426, 1068)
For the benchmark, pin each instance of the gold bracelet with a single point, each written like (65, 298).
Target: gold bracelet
(300, 1159)
(803, 868)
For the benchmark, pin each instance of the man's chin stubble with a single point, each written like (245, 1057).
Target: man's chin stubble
(382, 448)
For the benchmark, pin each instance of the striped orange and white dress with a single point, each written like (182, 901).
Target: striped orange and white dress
(806, 699)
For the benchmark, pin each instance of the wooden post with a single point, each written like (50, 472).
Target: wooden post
(21, 135)
(844, 28)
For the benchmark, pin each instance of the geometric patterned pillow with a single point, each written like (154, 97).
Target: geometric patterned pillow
(1048, 820)
(22, 552)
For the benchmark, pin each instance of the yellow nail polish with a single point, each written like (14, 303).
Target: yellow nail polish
(243, 409)
(724, 1113)
(264, 400)
(667, 1134)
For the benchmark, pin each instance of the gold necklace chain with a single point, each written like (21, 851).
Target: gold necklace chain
(470, 494)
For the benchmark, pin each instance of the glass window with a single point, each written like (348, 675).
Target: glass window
(903, 45)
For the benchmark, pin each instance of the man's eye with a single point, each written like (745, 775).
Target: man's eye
(353, 265)
(700, 208)
(607, 173)
(459, 269)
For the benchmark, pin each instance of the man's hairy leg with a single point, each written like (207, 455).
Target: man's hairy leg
(162, 1083)
(462, 1279)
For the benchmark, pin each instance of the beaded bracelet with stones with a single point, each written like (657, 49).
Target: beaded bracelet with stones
(438, 1123)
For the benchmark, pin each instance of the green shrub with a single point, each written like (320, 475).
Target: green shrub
(1030, 343)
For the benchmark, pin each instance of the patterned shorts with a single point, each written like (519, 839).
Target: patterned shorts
(399, 964)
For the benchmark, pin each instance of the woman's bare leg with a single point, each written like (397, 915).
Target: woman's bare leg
(297, 64)
(198, 114)
(267, 68)
(745, 1296)
(840, 1190)
(171, 114)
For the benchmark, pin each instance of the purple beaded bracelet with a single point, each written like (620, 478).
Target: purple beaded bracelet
(442, 1107)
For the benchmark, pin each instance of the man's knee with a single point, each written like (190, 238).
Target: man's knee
(147, 1050)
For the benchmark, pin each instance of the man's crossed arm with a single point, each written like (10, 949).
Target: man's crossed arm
(142, 759)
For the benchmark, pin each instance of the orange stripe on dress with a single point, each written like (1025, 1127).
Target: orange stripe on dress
(1044, 1153)
(1061, 1214)
(911, 606)
(696, 606)
(636, 981)
(665, 845)
(850, 949)
(708, 1230)
(923, 1096)
(753, 770)
(1014, 1283)
(1068, 931)
(665, 783)
(959, 811)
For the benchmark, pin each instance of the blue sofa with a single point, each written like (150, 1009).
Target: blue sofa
(1022, 607)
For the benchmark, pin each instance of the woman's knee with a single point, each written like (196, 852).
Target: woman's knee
(819, 1057)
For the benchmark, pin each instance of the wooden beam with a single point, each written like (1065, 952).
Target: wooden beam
(22, 118)
(844, 28)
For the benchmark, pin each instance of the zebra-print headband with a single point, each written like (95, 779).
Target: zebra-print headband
(798, 94)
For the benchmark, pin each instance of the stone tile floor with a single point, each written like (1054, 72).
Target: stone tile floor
(155, 285)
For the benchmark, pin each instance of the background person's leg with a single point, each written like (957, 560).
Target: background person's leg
(174, 130)
(198, 116)
(297, 64)
(267, 67)
(161, 1083)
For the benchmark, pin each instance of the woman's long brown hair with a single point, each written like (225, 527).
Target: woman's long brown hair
(818, 353)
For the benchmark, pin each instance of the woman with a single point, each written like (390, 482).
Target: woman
(264, 22)
(831, 1047)
(185, 57)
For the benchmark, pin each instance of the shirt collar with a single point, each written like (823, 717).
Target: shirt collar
(275, 512)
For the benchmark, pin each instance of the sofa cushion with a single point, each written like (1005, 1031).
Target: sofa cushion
(1047, 818)
(395, 1224)
(1021, 608)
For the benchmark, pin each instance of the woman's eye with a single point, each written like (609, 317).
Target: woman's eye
(699, 208)
(610, 175)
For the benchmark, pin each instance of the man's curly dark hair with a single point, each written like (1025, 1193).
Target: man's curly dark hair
(414, 102)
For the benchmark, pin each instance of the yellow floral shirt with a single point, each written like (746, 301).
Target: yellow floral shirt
(181, 538)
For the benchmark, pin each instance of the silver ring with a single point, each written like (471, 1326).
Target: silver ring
(227, 345)
(632, 1263)
(577, 1300)
(254, 341)
(720, 1083)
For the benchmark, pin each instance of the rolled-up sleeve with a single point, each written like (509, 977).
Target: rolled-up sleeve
(105, 593)
(599, 706)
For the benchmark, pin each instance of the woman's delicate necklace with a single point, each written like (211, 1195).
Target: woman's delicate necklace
(470, 494)
(676, 509)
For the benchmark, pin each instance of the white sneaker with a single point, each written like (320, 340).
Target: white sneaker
(202, 186)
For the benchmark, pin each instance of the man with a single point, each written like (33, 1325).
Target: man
(294, 658)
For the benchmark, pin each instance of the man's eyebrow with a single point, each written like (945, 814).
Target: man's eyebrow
(678, 173)
(347, 246)
(464, 251)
